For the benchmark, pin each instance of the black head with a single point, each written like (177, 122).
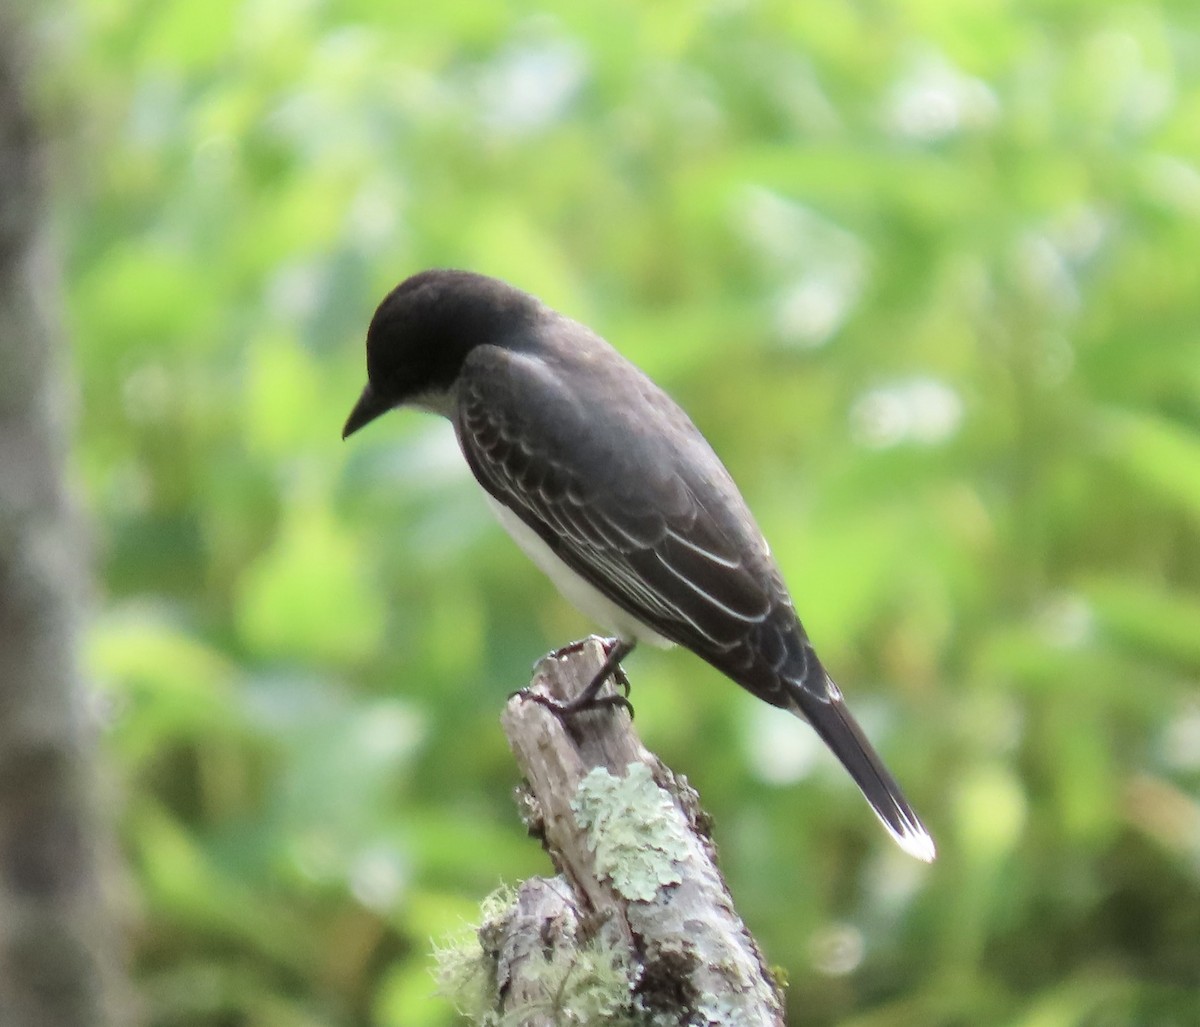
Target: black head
(423, 330)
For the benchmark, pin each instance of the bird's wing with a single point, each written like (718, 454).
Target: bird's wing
(613, 488)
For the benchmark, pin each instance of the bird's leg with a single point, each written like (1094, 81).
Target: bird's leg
(607, 644)
(589, 698)
(611, 667)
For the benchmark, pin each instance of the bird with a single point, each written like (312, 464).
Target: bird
(612, 491)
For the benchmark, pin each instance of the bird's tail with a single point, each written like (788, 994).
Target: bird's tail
(828, 715)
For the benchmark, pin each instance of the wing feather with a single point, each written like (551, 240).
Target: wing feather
(627, 520)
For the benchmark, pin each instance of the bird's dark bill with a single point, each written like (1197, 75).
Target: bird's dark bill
(368, 407)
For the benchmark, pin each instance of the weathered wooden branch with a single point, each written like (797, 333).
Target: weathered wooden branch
(639, 926)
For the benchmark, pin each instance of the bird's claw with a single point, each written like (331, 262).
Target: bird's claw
(569, 709)
(615, 650)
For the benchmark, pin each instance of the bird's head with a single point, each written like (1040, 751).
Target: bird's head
(423, 331)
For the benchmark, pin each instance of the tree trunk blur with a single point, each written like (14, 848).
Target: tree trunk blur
(57, 943)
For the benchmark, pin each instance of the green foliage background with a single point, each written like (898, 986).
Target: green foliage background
(926, 274)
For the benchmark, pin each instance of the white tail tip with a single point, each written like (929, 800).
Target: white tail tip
(914, 840)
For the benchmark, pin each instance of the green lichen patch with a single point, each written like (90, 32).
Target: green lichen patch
(633, 828)
(569, 982)
(588, 985)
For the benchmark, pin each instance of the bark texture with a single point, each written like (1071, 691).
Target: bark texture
(56, 949)
(638, 887)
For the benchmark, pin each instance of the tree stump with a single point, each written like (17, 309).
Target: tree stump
(638, 926)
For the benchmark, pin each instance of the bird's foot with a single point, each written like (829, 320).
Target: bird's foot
(563, 710)
(590, 699)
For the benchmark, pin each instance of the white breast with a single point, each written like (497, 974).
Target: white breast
(582, 595)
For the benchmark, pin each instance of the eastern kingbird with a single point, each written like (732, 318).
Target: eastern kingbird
(612, 491)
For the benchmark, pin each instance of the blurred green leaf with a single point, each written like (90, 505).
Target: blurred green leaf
(1162, 455)
(1164, 621)
(310, 597)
